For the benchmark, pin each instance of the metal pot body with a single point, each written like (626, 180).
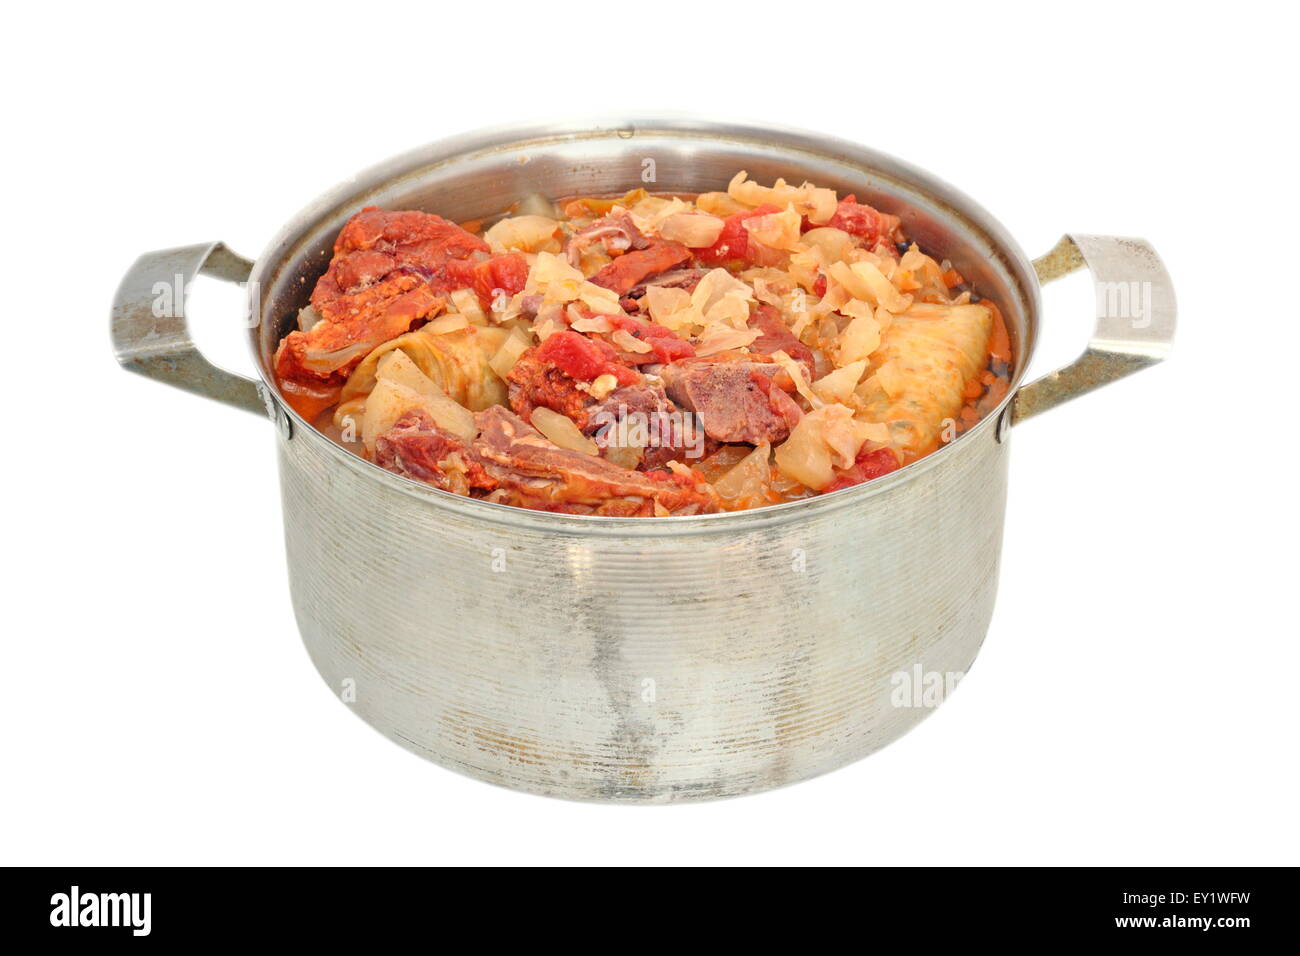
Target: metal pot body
(643, 660)
(635, 663)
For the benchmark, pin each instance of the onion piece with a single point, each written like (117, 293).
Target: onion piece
(391, 399)
(747, 484)
(649, 213)
(508, 354)
(877, 432)
(320, 361)
(719, 204)
(804, 455)
(588, 323)
(776, 230)
(602, 385)
(625, 456)
(671, 307)
(795, 371)
(630, 343)
(816, 203)
(694, 230)
(716, 285)
(562, 431)
(824, 439)
(832, 244)
(882, 291)
(842, 433)
(452, 322)
(858, 340)
(397, 366)
(600, 300)
(465, 301)
(553, 277)
(838, 385)
(526, 233)
(722, 338)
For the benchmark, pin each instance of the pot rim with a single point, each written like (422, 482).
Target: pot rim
(500, 138)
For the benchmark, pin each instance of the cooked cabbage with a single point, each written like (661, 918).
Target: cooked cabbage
(401, 387)
(458, 362)
(859, 347)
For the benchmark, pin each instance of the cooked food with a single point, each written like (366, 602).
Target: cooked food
(644, 355)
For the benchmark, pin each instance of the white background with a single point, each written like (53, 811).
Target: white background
(1135, 701)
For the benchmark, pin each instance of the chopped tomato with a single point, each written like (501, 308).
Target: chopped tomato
(585, 359)
(733, 241)
(504, 274)
(868, 465)
(857, 220)
(665, 344)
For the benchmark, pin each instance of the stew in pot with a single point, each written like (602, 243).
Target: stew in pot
(645, 355)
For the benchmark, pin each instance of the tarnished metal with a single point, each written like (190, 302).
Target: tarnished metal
(1059, 261)
(1135, 318)
(151, 336)
(653, 659)
(635, 661)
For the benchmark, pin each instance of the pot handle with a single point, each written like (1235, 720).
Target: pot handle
(151, 335)
(1135, 318)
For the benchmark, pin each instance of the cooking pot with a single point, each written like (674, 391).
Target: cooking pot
(645, 659)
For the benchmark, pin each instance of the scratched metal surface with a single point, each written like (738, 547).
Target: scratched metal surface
(155, 342)
(634, 666)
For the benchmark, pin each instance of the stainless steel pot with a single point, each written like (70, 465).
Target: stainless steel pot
(646, 659)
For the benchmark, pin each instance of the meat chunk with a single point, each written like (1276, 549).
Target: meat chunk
(548, 376)
(512, 463)
(639, 414)
(417, 448)
(500, 276)
(531, 472)
(631, 269)
(390, 270)
(777, 337)
(536, 382)
(642, 416)
(380, 253)
(737, 401)
(338, 342)
(616, 232)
